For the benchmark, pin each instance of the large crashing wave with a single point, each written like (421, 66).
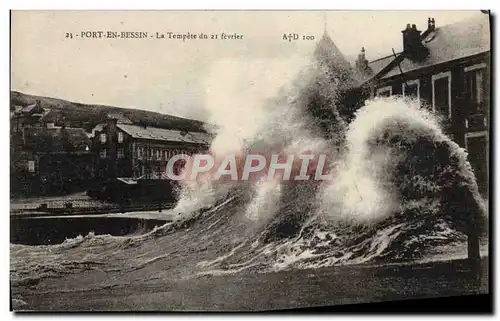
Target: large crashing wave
(402, 188)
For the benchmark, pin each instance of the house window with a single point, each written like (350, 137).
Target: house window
(441, 93)
(170, 153)
(120, 137)
(120, 153)
(475, 88)
(103, 138)
(384, 91)
(477, 147)
(103, 153)
(411, 89)
(158, 154)
(31, 166)
(140, 152)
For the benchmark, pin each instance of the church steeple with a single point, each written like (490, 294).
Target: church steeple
(331, 95)
(327, 52)
(328, 55)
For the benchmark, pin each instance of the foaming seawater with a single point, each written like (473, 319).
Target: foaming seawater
(401, 188)
(388, 202)
(263, 206)
(364, 191)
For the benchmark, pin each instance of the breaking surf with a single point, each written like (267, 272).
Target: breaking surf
(403, 188)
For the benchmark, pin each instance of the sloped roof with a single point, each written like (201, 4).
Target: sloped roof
(154, 133)
(454, 41)
(29, 108)
(375, 67)
(97, 128)
(51, 116)
(121, 119)
(200, 136)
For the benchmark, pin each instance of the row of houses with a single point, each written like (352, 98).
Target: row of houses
(49, 159)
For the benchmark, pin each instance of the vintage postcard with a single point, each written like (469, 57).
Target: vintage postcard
(248, 160)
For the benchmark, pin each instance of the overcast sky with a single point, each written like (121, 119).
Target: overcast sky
(182, 78)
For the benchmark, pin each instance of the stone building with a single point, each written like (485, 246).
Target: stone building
(133, 151)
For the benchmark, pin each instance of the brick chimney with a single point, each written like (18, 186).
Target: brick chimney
(431, 27)
(412, 43)
(431, 24)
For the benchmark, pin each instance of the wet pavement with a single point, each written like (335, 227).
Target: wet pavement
(269, 291)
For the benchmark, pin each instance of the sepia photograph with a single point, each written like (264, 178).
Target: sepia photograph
(249, 161)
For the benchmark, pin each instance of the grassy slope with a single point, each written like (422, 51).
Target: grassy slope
(85, 115)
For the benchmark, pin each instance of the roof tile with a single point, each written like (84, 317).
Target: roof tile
(165, 134)
(454, 41)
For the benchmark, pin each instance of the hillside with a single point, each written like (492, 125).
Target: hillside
(86, 116)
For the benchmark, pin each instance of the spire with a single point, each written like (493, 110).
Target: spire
(327, 52)
(325, 23)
